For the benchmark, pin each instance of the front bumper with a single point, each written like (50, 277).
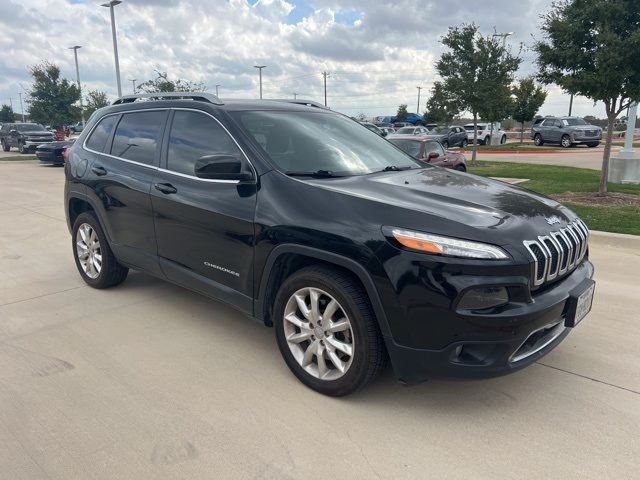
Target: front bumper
(49, 156)
(579, 137)
(495, 343)
(34, 144)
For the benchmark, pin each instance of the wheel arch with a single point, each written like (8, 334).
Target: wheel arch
(285, 259)
(79, 203)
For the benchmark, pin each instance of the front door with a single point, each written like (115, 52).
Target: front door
(204, 228)
(435, 147)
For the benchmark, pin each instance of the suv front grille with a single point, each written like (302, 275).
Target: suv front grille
(559, 252)
(590, 133)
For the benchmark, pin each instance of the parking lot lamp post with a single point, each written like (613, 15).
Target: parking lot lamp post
(75, 54)
(21, 109)
(217, 86)
(133, 82)
(112, 4)
(260, 67)
(418, 107)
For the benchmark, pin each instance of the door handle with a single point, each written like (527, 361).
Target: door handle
(165, 188)
(99, 170)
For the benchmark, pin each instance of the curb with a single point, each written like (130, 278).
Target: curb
(623, 240)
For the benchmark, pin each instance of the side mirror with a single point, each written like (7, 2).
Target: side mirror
(384, 133)
(433, 155)
(221, 167)
(13, 131)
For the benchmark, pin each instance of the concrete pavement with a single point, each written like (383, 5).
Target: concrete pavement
(149, 380)
(581, 157)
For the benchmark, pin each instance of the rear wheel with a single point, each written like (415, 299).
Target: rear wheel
(445, 144)
(5, 146)
(464, 143)
(95, 261)
(503, 140)
(537, 140)
(565, 141)
(326, 331)
(487, 140)
(461, 168)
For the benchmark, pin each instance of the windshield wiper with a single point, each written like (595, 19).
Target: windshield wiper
(317, 174)
(394, 168)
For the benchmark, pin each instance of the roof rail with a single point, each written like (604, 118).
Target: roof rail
(299, 101)
(196, 96)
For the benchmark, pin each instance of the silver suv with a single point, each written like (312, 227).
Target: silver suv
(567, 131)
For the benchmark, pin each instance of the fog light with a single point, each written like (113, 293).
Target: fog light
(479, 298)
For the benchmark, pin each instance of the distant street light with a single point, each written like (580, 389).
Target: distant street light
(260, 67)
(218, 85)
(75, 54)
(504, 37)
(21, 109)
(112, 4)
(133, 81)
(418, 108)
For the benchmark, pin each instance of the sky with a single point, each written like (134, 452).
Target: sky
(375, 52)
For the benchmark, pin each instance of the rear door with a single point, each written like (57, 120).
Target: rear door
(204, 228)
(122, 166)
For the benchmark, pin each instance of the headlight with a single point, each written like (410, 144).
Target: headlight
(452, 247)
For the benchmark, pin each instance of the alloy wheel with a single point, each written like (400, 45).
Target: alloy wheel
(319, 333)
(566, 141)
(89, 251)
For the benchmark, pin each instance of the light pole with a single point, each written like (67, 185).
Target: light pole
(75, 54)
(260, 67)
(504, 37)
(21, 109)
(133, 81)
(112, 4)
(218, 85)
(418, 108)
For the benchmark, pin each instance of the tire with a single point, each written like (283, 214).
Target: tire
(5, 147)
(461, 168)
(22, 148)
(110, 273)
(445, 144)
(565, 141)
(487, 140)
(537, 140)
(592, 145)
(464, 143)
(362, 336)
(503, 140)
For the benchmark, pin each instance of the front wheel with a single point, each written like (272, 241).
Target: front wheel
(22, 148)
(487, 140)
(326, 331)
(95, 261)
(461, 168)
(503, 140)
(464, 143)
(537, 140)
(5, 146)
(565, 141)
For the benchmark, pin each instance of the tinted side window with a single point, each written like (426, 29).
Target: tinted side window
(98, 138)
(137, 136)
(194, 135)
(430, 147)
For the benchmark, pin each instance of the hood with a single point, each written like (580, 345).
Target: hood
(458, 197)
(434, 136)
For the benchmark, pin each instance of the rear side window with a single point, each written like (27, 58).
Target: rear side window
(137, 136)
(194, 135)
(98, 138)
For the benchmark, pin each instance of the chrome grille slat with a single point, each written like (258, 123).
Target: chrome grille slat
(558, 252)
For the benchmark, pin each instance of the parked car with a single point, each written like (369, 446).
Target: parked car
(76, 127)
(388, 130)
(452, 136)
(567, 131)
(53, 152)
(485, 135)
(374, 129)
(398, 125)
(411, 131)
(430, 151)
(414, 119)
(305, 220)
(25, 136)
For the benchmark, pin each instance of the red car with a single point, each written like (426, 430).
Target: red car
(429, 151)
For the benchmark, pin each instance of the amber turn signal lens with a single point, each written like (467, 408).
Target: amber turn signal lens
(418, 244)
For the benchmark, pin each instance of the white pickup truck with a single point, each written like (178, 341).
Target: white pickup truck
(485, 136)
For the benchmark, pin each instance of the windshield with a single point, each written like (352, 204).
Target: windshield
(439, 130)
(29, 127)
(574, 121)
(406, 131)
(318, 141)
(411, 147)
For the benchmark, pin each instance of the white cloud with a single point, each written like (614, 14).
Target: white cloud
(375, 61)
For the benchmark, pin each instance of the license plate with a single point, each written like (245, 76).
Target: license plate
(581, 299)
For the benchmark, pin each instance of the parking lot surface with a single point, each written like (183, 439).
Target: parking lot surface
(149, 380)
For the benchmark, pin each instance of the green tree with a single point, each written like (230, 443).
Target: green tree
(441, 108)
(476, 73)
(94, 100)
(162, 83)
(402, 113)
(590, 48)
(52, 100)
(6, 114)
(529, 97)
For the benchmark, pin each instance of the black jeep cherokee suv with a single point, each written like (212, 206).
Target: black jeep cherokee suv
(309, 222)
